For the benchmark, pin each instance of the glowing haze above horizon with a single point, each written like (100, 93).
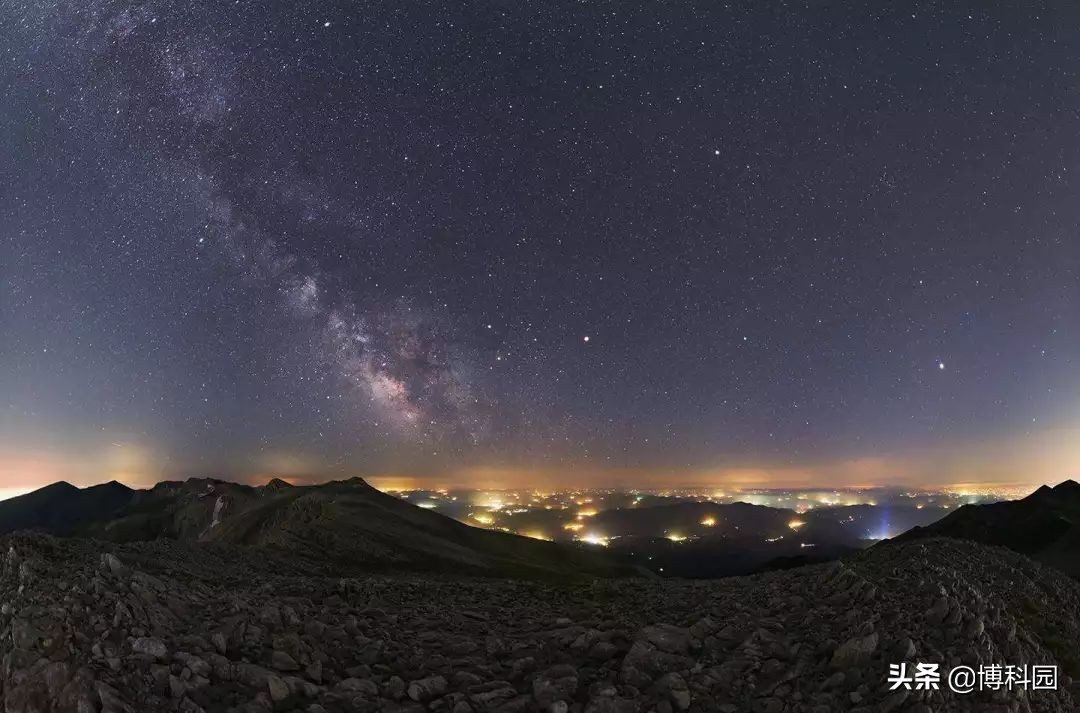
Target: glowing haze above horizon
(554, 244)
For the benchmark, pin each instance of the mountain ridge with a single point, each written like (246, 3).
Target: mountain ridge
(1045, 525)
(62, 508)
(346, 525)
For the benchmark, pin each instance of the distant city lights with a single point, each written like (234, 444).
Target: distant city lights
(592, 538)
(569, 515)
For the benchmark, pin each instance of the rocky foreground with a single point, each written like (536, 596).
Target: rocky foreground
(95, 628)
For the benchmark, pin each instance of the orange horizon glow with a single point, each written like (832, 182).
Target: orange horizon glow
(1021, 462)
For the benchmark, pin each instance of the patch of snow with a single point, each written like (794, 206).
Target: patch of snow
(218, 507)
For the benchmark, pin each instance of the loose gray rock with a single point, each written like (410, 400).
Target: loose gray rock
(150, 646)
(855, 651)
(425, 689)
(195, 630)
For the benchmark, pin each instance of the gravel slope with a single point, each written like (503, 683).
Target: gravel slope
(94, 627)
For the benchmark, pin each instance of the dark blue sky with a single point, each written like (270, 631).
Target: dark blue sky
(372, 238)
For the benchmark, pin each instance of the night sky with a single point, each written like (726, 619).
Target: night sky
(595, 242)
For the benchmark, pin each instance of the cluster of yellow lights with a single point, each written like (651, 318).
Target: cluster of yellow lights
(536, 535)
(708, 521)
(593, 538)
(483, 518)
(587, 512)
(796, 524)
(675, 537)
(574, 526)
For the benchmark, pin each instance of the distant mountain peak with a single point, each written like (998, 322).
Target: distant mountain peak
(61, 507)
(58, 486)
(112, 485)
(278, 484)
(355, 481)
(1066, 488)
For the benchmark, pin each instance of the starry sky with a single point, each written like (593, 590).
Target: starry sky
(507, 242)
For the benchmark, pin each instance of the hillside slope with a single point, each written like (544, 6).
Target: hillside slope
(1045, 525)
(343, 526)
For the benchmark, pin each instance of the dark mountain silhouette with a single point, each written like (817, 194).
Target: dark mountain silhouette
(63, 509)
(342, 525)
(1045, 525)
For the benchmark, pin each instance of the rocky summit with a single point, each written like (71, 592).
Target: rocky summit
(93, 627)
